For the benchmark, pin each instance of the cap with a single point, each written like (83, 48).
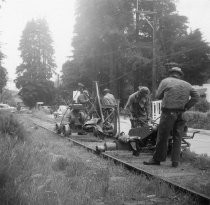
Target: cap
(106, 90)
(144, 90)
(176, 70)
(81, 85)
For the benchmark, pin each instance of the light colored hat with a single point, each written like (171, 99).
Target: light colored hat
(106, 90)
(81, 85)
(176, 70)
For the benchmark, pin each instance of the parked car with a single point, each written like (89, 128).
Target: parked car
(6, 107)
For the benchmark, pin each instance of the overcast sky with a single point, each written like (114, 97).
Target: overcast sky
(59, 14)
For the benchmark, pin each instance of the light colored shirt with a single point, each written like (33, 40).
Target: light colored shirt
(109, 99)
(139, 106)
(176, 94)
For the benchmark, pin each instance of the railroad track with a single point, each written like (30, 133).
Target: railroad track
(89, 143)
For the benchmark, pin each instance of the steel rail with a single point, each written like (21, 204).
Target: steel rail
(200, 198)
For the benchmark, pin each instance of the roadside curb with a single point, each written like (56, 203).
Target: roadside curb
(204, 132)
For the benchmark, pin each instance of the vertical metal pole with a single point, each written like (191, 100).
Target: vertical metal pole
(118, 117)
(137, 70)
(154, 77)
(99, 101)
(137, 20)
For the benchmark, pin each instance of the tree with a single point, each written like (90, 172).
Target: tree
(113, 44)
(8, 97)
(3, 75)
(101, 42)
(193, 56)
(34, 73)
(3, 78)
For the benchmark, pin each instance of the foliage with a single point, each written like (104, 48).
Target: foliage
(112, 46)
(198, 120)
(100, 44)
(3, 78)
(3, 71)
(35, 71)
(199, 161)
(192, 55)
(202, 106)
(43, 171)
(39, 91)
(9, 125)
(8, 97)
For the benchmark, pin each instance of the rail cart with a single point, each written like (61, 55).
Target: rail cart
(102, 121)
(143, 138)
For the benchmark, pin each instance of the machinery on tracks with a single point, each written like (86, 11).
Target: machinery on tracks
(104, 121)
(101, 120)
(142, 139)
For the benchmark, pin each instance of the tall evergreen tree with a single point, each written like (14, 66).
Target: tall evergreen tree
(3, 75)
(110, 41)
(3, 71)
(3, 78)
(100, 40)
(192, 54)
(34, 73)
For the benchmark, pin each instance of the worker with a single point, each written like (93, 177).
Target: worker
(108, 98)
(138, 105)
(177, 96)
(109, 104)
(83, 97)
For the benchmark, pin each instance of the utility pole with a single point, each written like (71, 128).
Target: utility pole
(153, 25)
(154, 72)
(136, 71)
(137, 20)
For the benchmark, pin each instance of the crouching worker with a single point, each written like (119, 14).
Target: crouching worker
(139, 106)
(108, 103)
(83, 97)
(177, 96)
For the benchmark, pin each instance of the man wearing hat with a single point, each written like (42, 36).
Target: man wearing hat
(177, 96)
(83, 97)
(139, 105)
(108, 98)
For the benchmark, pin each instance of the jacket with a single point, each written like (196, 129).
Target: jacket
(109, 99)
(139, 105)
(177, 94)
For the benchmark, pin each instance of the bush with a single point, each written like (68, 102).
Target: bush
(9, 125)
(198, 120)
(202, 106)
(13, 160)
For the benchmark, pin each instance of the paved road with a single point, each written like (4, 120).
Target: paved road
(200, 144)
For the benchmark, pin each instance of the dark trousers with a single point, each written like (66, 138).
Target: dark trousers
(170, 121)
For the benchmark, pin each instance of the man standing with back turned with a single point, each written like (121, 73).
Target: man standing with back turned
(177, 96)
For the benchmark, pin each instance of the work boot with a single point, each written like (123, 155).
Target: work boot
(152, 162)
(175, 164)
